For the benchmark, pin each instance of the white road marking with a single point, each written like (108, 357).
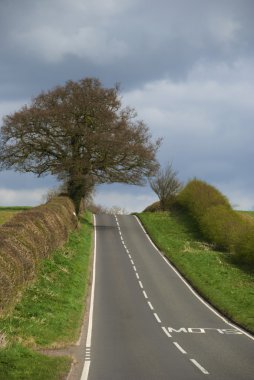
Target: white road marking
(85, 372)
(145, 295)
(132, 262)
(166, 332)
(129, 256)
(135, 268)
(180, 348)
(157, 318)
(137, 275)
(141, 285)
(150, 305)
(190, 288)
(202, 369)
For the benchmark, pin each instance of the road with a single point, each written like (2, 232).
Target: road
(146, 323)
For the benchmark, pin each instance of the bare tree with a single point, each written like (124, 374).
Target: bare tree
(166, 185)
(80, 133)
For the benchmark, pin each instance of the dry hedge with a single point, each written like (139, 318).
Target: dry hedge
(29, 237)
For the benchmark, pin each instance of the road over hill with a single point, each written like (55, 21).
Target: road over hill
(147, 323)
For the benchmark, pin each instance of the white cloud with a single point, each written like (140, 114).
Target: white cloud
(130, 201)
(10, 197)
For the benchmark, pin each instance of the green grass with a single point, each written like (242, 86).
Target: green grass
(50, 312)
(250, 213)
(20, 363)
(227, 286)
(7, 212)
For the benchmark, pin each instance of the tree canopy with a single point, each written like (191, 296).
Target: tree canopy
(81, 133)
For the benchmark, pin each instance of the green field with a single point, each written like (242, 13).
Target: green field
(227, 286)
(50, 312)
(7, 212)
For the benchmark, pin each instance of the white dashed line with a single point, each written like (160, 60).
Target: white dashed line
(157, 318)
(132, 262)
(202, 369)
(141, 285)
(180, 348)
(135, 268)
(137, 275)
(150, 305)
(166, 332)
(145, 295)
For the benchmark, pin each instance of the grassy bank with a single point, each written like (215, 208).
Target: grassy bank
(226, 286)
(50, 312)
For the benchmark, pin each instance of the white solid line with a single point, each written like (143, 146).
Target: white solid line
(156, 316)
(85, 372)
(86, 367)
(166, 332)
(180, 348)
(202, 369)
(145, 295)
(150, 305)
(191, 289)
(137, 275)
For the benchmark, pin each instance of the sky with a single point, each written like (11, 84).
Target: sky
(186, 66)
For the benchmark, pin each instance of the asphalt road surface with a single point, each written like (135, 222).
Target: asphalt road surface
(146, 323)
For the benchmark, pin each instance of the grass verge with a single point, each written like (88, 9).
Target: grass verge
(50, 312)
(227, 286)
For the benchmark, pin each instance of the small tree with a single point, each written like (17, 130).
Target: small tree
(80, 133)
(166, 185)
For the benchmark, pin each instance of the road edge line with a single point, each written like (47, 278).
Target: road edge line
(194, 292)
(86, 367)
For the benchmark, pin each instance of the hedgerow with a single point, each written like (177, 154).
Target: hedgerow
(218, 222)
(29, 237)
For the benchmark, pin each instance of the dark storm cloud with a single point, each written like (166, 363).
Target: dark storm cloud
(185, 65)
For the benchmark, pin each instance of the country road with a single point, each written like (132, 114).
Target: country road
(147, 324)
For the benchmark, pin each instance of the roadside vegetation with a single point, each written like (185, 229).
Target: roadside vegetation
(50, 312)
(7, 213)
(229, 230)
(212, 246)
(229, 287)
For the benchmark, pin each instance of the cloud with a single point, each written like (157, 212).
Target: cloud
(186, 66)
(207, 124)
(132, 199)
(10, 197)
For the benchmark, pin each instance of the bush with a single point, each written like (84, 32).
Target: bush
(221, 226)
(29, 237)
(197, 196)
(218, 222)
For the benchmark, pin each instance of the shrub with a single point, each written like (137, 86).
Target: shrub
(218, 222)
(29, 237)
(197, 196)
(221, 226)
